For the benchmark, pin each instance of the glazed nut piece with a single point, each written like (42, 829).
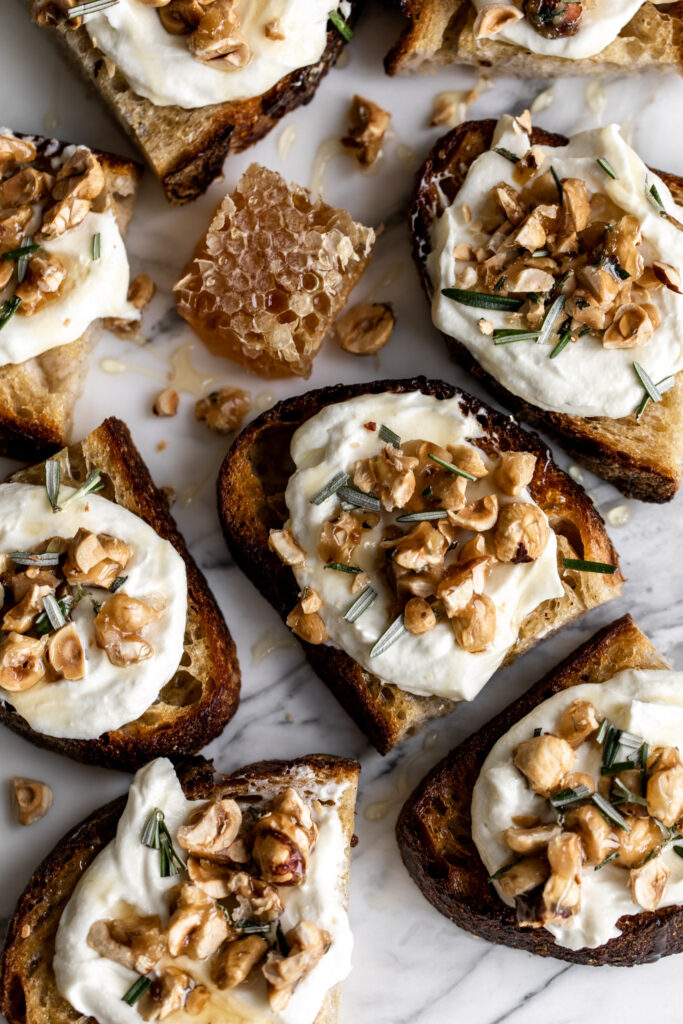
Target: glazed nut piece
(307, 945)
(285, 547)
(461, 582)
(524, 876)
(648, 883)
(45, 275)
(467, 458)
(236, 960)
(475, 626)
(15, 151)
(283, 840)
(307, 626)
(514, 472)
(65, 654)
(167, 994)
(21, 662)
(421, 547)
(22, 616)
(494, 18)
(136, 943)
(521, 532)
(26, 186)
(95, 559)
(639, 842)
(197, 926)
(596, 835)
(368, 123)
(665, 795)
(545, 760)
(212, 830)
(141, 291)
(532, 839)
(339, 538)
(578, 722)
(180, 17)
(217, 40)
(62, 216)
(366, 328)
(562, 891)
(30, 799)
(479, 516)
(669, 276)
(418, 616)
(224, 410)
(118, 627)
(554, 19)
(166, 403)
(79, 177)
(632, 327)
(312, 602)
(196, 1000)
(391, 473)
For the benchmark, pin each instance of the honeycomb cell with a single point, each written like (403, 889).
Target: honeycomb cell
(271, 274)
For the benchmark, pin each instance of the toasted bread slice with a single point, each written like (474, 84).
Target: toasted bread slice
(435, 835)
(194, 706)
(37, 398)
(28, 991)
(440, 32)
(643, 459)
(250, 487)
(186, 148)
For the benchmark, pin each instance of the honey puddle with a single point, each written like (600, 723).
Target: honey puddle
(288, 137)
(272, 640)
(116, 366)
(326, 152)
(184, 375)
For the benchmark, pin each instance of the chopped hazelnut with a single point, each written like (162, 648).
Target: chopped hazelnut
(562, 891)
(181, 17)
(532, 839)
(166, 403)
(479, 516)
(648, 883)
(141, 291)
(285, 547)
(514, 472)
(31, 800)
(391, 472)
(368, 123)
(118, 627)
(283, 840)
(597, 837)
(461, 582)
(418, 616)
(166, 994)
(21, 662)
(212, 829)
(578, 722)
(218, 39)
(521, 533)
(308, 627)
(667, 275)
(665, 795)
(196, 1000)
(197, 926)
(545, 760)
(422, 547)
(45, 275)
(136, 943)
(486, 326)
(311, 601)
(15, 151)
(224, 410)
(524, 876)
(65, 653)
(307, 944)
(643, 837)
(494, 17)
(236, 960)
(366, 328)
(475, 626)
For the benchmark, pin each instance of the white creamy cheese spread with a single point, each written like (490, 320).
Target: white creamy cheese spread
(602, 22)
(108, 696)
(331, 442)
(92, 288)
(126, 872)
(160, 67)
(648, 704)
(586, 379)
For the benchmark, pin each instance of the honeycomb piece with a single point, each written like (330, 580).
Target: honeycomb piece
(271, 274)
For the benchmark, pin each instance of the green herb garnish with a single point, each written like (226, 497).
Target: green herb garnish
(662, 386)
(96, 246)
(389, 637)
(569, 796)
(450, 467)
(508, 154)
(136, 991)
(627, 795)
(52, 483)
(53, 611)
(606, 166)
(90, 7)
(8, 309)
(508, 337)
(602, 731)
(505, 868)
(359, 499)
(419, 517)
(35, 558)
(678, 850)
(584, 566)
(610, 813)
(539, 253)
(655, 198)
(608, 858)
(17, 254)
(342, 26)
(646, 380)
(117, 584)
(550, 319)
(156, 836)
(617, 766)
(330, 488)
(388, 435)
(340, 567)
(92, 484)
(43, 624)
(361, 604)
(483, 300)
(565, 338)
(558, 184)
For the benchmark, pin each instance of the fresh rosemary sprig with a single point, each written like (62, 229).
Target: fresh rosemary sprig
(90, 7)
(502, 151)
(136, 991)
(35, 558)
(606, 166)
(483, 300)
(53, 611)
(340, 567)
(361, 604)
(388, 435)
(342, 26)
(8, 309)
(330, 488)
(450, 467)
(156, 836)
(96, 246)
(419, 517)
(389, 637)
(23, 250)
(582, 565)
(52, 483)
(359, 498)
(92, 484)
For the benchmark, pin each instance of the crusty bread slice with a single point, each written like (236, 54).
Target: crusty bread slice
(250, 492)
(186, 148)
(643, 459)
(440, 32)
(37, 398)
(434, 828)
(195, 705)
(28, 991)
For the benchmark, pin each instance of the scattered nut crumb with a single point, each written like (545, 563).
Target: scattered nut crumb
(273, 30)
(366, 328)
(30, 799)
(544, 100)
(463, 251)
(485, 326)
(466, 213)
(161, 445)
(25, 931)
(166, 403)
(224, 410)
(141, 291)
(368, 123)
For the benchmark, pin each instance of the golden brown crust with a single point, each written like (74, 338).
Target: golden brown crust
(256, 470)
(37, 397)
(28, 992)
(644, 460)
(186, 148)
(435, 835)
(440, 32)
(202, 697)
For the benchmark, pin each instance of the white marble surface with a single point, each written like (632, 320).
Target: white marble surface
(412, 964)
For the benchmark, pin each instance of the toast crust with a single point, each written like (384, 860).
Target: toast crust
(435, 836)
(186, 148)
(644, 460)
(37, 397)
(440, 32)
(196, 704)
(28, 991)
(250, 485)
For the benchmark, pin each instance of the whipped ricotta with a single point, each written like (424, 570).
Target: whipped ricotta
(160, 67)
(432, 664)
(92, 289)
(646, 703)
(126, 872)
(108, 696)
(602, 22)
(587, 379)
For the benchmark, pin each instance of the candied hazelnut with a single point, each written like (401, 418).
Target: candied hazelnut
(514, 472)
(307, 626)
(307, 944)
(197, 926)
(521, 533)
(531, 839)
(31, 799)
(236, 960)
(578, 722)
(65, 653)
(524, 876)
(212, 829)
(368, 123)
(545, 760)
(418, 616)
(166, 403)
(562, 891)
(364, 329)
(493, 18)
(474, 626)
(224, 410)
